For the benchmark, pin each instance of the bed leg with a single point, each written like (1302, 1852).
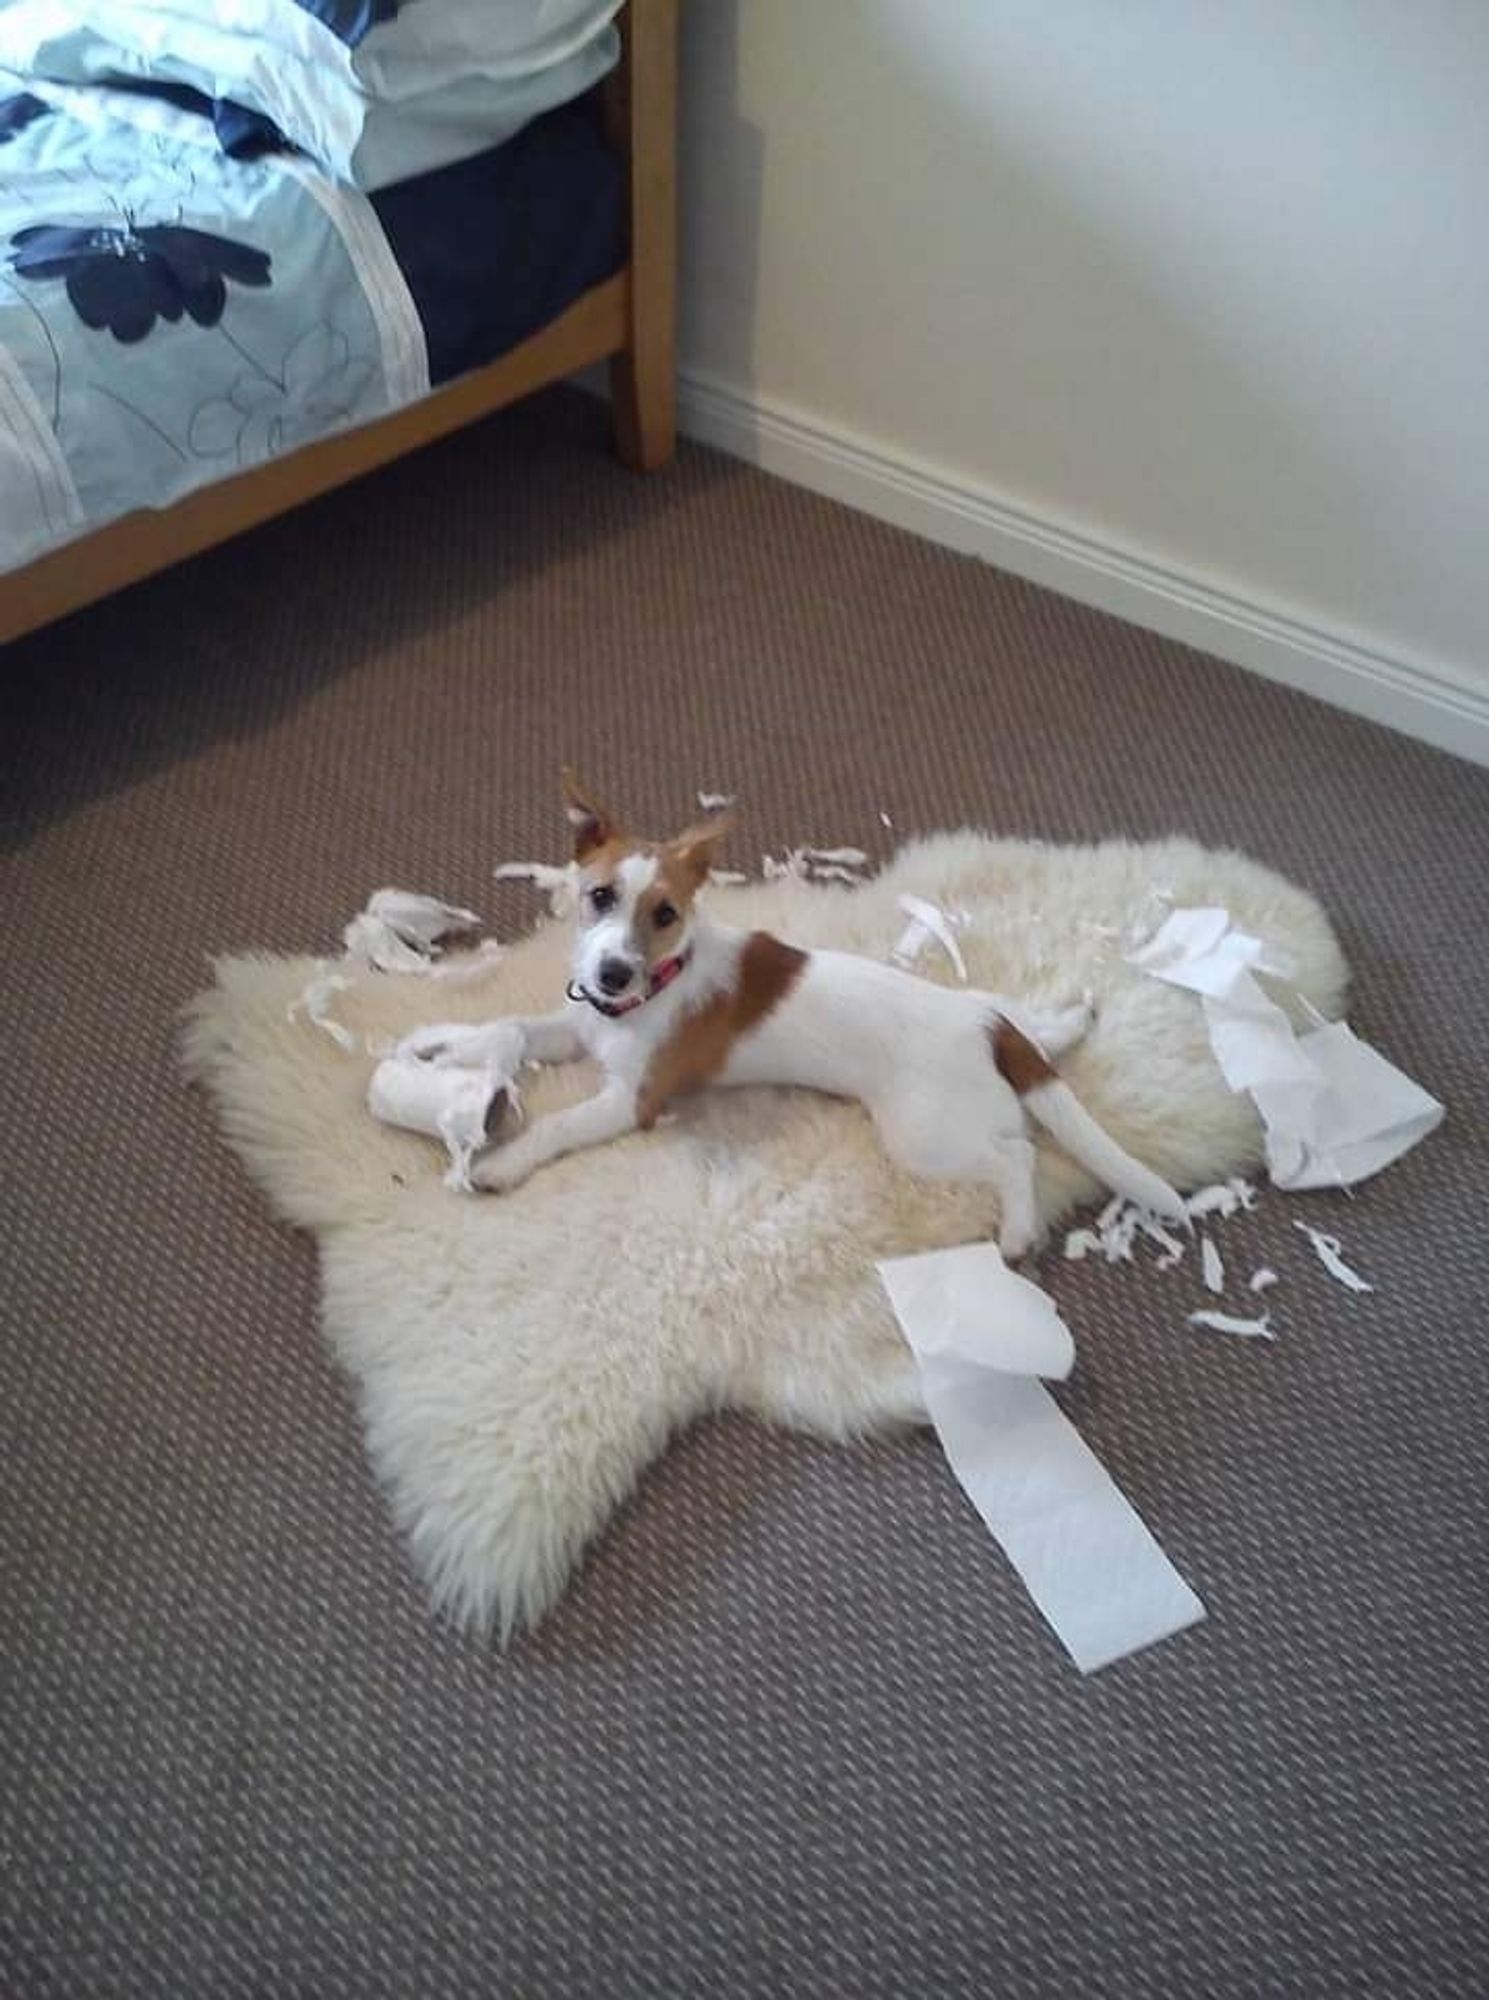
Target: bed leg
(643, 376)
(643, 402)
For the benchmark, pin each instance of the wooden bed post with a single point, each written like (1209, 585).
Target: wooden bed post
(642, 113)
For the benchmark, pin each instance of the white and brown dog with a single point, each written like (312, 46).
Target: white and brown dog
(666, 1001)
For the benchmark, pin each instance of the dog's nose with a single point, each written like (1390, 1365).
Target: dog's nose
(615, 975)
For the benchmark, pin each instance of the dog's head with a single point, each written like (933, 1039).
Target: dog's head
(636, 916)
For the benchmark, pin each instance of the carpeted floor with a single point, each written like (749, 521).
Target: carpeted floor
(796, 1730)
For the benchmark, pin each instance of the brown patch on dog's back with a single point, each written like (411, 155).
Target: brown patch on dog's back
(1021, 1065)
(768, 969)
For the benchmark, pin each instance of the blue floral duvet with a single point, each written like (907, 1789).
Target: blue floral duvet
(169, 314)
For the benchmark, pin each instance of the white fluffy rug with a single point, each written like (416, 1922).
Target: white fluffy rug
(519, 1360)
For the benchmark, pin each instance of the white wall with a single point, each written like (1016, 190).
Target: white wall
(1180, 305)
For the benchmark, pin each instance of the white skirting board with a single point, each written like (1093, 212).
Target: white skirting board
(1447, 711)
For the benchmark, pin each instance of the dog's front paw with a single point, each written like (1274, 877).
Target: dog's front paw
(458, 1045)
(500, 1170)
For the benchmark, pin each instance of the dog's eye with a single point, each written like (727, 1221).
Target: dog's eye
(663, 916)
(601, 898)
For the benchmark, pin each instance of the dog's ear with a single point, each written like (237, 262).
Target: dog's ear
(592, 824)
(695, 848)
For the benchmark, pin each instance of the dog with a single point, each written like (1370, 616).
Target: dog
(668, 1001)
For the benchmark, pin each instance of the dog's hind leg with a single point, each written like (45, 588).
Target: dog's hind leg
(1010, 1169)
(965, 1144)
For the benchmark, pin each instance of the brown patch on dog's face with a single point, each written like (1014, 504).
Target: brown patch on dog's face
(768, 969)
(664, 907)
(600, 869)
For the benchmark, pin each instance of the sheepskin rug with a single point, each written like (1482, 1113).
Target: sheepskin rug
(518, 1360)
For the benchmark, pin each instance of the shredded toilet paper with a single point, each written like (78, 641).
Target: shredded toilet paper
(463, 1107)
(1334, 1110)
(981, 1335)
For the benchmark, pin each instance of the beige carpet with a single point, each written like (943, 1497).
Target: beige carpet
(796, 1730)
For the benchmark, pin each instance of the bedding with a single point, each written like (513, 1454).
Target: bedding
(374, 91)
(169, 315)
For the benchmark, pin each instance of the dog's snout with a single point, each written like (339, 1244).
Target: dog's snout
(615, 975)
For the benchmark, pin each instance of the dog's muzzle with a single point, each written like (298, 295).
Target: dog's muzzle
(662, 976)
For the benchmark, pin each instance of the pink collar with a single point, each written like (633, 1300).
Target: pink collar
(662, 976)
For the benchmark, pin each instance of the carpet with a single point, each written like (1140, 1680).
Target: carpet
(519, 1361)
(796, 1729)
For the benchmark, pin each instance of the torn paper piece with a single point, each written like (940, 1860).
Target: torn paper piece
(927, 921)
(1116, 1231)
(1363, 1114)
(1248, 1329)
(400, 931)
(816, 864)
(1262, 1279)
(965, 1305)
(1328, 1255)
(1252, 1038)
(465, 1108)
(315, 1004)
(1171, 1246)
(470, 965)
(885, 820)
(727, 878)
(715, 802)
(561, 885)
(1080, 1243)
(1335, 1111)
(1118, 1225)
(1223, 1200)
(1212, 1265)
(1084, 1555)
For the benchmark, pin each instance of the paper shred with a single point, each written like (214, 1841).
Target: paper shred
(561, 885)
(1248, 1329)
(315, 1004)
(714, 802)
(727, 878)
(1212, 1265)
(885, 820)
(1327, 1248)
(1080, 1243)
(470, 965)
(1223, 1199)
(816, 864)
(928, 921)
(1262, 1279)
(400, 931)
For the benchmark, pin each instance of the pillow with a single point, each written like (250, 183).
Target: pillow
(374, 90)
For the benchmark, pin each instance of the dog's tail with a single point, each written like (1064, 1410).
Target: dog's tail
(1056, 1107)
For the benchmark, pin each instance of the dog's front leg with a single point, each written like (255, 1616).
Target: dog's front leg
(609, 1115)
(539, 1038)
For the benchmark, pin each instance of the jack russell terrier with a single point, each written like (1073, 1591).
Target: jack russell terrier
(666, 1000)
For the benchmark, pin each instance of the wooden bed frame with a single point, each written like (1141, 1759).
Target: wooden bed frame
(628, 320)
